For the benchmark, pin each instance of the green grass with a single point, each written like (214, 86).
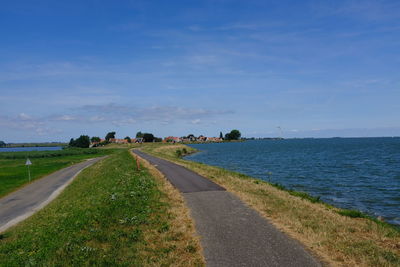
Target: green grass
(14, 173)
(111, 215)
(300, 194)
(352, 213)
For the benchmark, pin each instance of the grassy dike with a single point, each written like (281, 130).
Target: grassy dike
(110, 215)
(339, 240)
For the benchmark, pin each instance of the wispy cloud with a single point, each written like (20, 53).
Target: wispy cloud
(372, 10)
(117, 115)
(122, 115)
(26, 123)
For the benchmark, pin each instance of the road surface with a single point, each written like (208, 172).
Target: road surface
(232, 234)
(22, 203)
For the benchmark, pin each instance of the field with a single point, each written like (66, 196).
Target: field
(14, 173)
(333, 234)
(111, 215)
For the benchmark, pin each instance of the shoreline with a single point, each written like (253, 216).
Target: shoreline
(349, 212)
(352, 213)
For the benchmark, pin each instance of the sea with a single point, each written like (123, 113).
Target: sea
(39, 148)
(351, 173)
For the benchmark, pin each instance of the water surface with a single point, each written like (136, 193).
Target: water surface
(34, 148)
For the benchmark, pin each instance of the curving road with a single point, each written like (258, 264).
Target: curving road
(232, 234)
(22, 203)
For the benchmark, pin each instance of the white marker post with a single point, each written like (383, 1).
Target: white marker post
(28, 162)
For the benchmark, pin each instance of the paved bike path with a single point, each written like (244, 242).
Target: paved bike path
(22, 203)
(232, 234)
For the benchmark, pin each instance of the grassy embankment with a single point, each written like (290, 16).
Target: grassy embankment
(110, 215)
(331, 233)
(14, 173)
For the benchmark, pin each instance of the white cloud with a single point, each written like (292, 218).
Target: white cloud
(24, 116)
(114, 114)
(196, 121)
(66, 118)
(133, 114)
(26, 123)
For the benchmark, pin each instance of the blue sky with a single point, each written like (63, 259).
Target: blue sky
(314, 68)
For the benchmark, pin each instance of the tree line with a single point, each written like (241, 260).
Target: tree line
(84, 141)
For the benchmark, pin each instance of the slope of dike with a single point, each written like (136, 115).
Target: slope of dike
(326, 231)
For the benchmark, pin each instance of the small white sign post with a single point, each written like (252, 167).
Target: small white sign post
(28, 163)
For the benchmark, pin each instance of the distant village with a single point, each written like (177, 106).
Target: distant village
(86, 141)
(168, 139)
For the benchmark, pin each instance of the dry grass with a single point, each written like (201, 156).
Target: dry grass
(188, 251)
(122, 146)
(338, 240)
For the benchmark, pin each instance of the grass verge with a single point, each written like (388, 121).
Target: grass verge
(110, 215)
(14, 173)
(329, 232)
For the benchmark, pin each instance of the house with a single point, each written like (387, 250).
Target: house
(214, 139)
(172, 139)
(118, 141)
(201, 138)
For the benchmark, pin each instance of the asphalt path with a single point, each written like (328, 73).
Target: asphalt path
(185, 180)
(22, 203)
(232, 234)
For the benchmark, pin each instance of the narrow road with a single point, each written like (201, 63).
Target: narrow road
(22, 203)
(232, 234)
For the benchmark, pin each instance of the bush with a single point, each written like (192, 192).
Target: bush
(352, 213)
(148, 137)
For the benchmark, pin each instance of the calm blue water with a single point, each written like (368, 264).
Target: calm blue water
(353, 173)
(39, 148)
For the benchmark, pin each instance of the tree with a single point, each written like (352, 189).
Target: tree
(233, 135)
(71, 142)
(148, 137)
(110, 135)
(83, 141)
(95, 139)
(191, 137)
(128, 139)
(220, 135)
(139, 135)
(2, 143)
